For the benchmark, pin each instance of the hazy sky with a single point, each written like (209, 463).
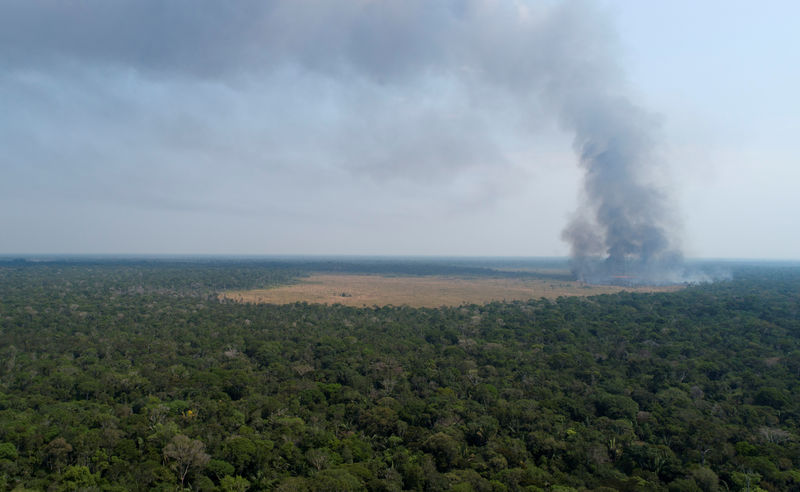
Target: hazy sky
(387, 127)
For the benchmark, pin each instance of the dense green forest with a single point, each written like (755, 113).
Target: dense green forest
(133, 375)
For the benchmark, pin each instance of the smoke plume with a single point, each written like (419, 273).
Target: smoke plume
(398, 90)
(621, 233)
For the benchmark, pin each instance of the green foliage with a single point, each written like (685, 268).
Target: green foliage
(444, 449)
(771, 397)
(8, 451)
(239, 451)
(79, 478)
(616, 406)
(219, 468)
(234, 484)
(336, 480)
(134, 375)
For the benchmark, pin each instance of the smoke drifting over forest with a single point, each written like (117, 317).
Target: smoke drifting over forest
(395, 90)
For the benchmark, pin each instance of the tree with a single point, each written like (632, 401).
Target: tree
(57, 453)
(234, 484)
(185, 455)
(79, 478)
(444, 450)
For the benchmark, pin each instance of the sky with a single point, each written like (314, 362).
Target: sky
(387, 127)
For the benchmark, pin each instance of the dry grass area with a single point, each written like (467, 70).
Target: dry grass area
(432, 291)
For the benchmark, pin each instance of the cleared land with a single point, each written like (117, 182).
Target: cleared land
(429, 291)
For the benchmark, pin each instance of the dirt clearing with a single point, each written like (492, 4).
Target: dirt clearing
(429, 291)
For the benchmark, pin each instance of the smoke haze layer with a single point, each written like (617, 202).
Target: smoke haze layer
(395, 91)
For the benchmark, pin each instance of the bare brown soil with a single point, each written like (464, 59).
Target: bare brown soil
(432, 291)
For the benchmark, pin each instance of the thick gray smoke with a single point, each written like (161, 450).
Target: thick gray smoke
(396, 90)
(622, 232)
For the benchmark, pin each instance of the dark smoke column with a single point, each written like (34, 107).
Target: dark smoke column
(621, 231)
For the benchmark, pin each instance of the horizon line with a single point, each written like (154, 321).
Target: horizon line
(41, 256)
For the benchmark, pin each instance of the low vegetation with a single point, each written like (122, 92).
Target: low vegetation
(423, 291)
